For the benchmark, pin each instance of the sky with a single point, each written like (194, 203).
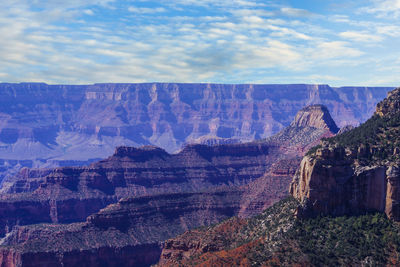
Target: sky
(341, 43)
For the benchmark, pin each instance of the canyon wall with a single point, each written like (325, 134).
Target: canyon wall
(53, 125)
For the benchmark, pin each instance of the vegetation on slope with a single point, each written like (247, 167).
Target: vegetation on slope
(373, 141)
(277, 238)
(370, 239)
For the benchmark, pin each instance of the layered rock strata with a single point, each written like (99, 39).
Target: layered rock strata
(123, 234)
(45, 125)
(357, 171)
(261, 171)
(71, 194)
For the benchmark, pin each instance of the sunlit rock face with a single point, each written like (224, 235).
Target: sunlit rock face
(356, 171)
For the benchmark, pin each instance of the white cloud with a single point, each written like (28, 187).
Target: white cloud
(334, 50)
(145, 10)
(88, 12)
(383, 8)
(296, 12)
(389, 30)
(283, 32)
(360, 36)
(235, 41)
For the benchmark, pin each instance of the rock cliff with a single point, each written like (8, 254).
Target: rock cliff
(316, 116)
(357, 171)
(46, 125)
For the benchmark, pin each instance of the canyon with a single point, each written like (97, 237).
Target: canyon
(343, 209)
(45, 126)
(139, 197)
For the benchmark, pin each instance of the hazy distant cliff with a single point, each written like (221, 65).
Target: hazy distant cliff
(78, 122)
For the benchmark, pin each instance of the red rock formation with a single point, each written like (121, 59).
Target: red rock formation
(351, 174)
(316, 116)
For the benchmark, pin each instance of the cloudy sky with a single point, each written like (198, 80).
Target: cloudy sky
(333, 42)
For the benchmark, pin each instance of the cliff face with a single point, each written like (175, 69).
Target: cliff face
(309, 126)
(47, 125)
(316, 116)
(357, 171)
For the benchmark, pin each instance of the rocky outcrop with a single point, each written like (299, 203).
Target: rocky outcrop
(355, 172)
(45, 125)
(316, 116)
(391, 105)
(332, 185)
